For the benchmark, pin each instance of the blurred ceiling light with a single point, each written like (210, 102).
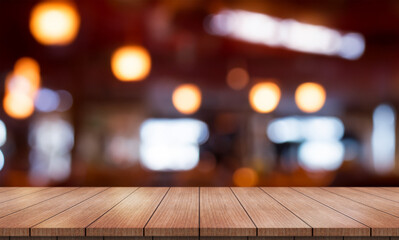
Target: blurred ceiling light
(245, 177)
(18, 105)
(264, 97)
(310, 97)
(66, 100)
(3, 133)
(47, 100)
(171, 144)
(263, 29)
(321, 155)
(383, 138)
(1, 160)
(54, 22)
(186, 98)
(299, 129)
(29, 69)
(131, 63)
(237, 78)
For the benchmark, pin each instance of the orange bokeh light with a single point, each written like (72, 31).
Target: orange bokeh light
(131, 63)
(245, 177)
(29, 69)
(187, 98)
(310, 97)
(54, 22)
(18, 105)
(264, 97)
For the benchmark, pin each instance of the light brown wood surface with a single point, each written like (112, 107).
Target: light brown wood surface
(74, 221)
(381, 223)
(177, 215)
(324, 220)
(19, 223)
(130, 216)
(270, 217)
(221, 214)
(146, 213)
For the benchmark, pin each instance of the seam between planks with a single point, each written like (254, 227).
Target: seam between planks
(23, 195)
(38, 203)
(256, 227)
(333, 209)
(286, 208)
(109, 210)
(64, 210)
(361, 203)
(155, 211)
(376, 194)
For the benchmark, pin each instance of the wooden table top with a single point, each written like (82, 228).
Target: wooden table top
(194, 211)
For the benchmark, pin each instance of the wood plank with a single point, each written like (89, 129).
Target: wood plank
(18, 192)
(380, 192)
(222, 215)
(73, 221)
(269, 216)
(127, 238)
(177, 215)
(392, 189)
(373, 201)
(130, 216)
(270, 238)
(324, 220)
(381, 224)
(19, 223)
(29, 200)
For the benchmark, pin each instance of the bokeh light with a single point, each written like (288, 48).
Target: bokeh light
(187, 98)
(237, 78)
(131, 63)
(264, 97)
(310, 97)
(28, 68)
(18, 105)
(245, 177)
(54, 22)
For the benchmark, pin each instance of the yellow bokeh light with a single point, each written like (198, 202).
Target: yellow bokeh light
(187, 98)
(245, 177)
(310, 97)
(264, 97)
(237, 78)
(54, 22)
(18, 105)
(131, 63)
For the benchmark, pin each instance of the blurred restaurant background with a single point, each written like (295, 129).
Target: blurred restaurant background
(199, 93)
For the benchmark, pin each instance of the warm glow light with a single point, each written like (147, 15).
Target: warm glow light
(187, 98)
(264, 97)
(245, 177)
(237, 78)
(310, 97)
(131, 63)
(29, 69)
(18, 105)
(54, 22)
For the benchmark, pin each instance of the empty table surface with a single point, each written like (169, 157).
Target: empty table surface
(206, 212)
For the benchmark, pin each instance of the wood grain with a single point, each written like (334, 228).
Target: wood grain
(73, 221)
(221, 214)
(324, 220)
(29, 200)
(130, 216)
(269, 216)
(381, 224)
(177, 215)
(379, 192)
(376, 202)
(18, 192)
(19, 223)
